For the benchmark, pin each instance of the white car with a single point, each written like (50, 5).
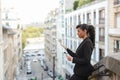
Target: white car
(35, 60)
(29, 71)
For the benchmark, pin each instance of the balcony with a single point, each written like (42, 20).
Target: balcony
(114, 32)
(107, 68)
(116, 2)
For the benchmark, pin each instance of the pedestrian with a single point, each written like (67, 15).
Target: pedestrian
(82, 57)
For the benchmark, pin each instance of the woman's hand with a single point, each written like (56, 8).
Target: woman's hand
(69, 58)
(62, 44)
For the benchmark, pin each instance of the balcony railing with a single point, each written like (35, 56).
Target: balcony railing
(116, 2)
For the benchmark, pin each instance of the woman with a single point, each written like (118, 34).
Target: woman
(82, 56)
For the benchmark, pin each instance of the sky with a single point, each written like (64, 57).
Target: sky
(31, 10)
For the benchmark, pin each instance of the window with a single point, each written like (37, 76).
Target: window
(70, 21)
(94, 17)
(101, 54)
(102, 13)
(117, 46)
(102, 16)
(101, 34)
(74, 17)
(88, 18)
(79, 19)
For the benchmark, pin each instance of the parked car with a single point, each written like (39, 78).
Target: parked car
(50, 73)
(28, 66)
(45, 67)
(29, 71)
(35, 60)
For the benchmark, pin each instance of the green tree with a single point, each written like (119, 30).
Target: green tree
(75, 5)
(80, 3)
(30, 32)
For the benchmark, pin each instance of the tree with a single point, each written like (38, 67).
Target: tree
(83, 2)
(75, 5)
(30, 32)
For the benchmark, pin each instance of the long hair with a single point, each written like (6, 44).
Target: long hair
(90, 31)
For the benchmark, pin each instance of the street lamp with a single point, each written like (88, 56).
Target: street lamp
(53, 66)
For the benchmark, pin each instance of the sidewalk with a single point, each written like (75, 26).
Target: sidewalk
(49, 64)
(22, 75)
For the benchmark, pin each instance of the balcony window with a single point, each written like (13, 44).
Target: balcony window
(74, 19)
(116, 2)
(94, 17)
(83, 18)
(79, 19)
(117, 46)
(70, 21)
(101, 34)
(102, 16)
(101, 54)
(88, 18)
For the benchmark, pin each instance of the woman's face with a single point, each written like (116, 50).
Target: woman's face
(81, 33)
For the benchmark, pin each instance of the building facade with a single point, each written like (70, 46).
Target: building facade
(103, 14)
(94, 13)
(50, 37)
(12, 48)
(1, 48)
(114, 26)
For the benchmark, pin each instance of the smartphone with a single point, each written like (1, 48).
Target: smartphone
(65, 53)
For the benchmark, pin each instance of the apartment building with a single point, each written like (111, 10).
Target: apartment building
(1, 49)
(9, 55)
(50, 36)
(12, 48)
(94, 13)
(114, 26)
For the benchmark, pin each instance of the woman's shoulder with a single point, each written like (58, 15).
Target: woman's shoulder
(88, 41)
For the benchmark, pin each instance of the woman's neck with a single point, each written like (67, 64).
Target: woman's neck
(85, 37)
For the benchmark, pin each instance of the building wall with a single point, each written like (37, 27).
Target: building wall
(50, 37)
(12, 46)
(95, 14)
(1, 48)
(114, 18)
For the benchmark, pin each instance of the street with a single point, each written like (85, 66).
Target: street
(37, 71)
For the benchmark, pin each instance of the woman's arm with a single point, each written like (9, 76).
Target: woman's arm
(87, 55)
(71, 53)
(68, 50)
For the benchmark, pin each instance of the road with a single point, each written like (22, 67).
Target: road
(38, 70)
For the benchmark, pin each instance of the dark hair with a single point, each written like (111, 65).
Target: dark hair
(90, 30)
